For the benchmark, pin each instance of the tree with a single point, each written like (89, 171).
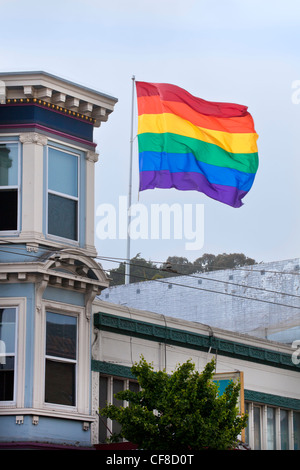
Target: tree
(178, 412)
(209, 262)
(143, 270)
(140, 270)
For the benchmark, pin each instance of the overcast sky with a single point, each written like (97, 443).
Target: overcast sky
(220, 50)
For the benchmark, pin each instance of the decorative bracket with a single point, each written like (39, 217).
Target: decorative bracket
(90, 295)
(40, 287)
(33, 138)
(19, 419)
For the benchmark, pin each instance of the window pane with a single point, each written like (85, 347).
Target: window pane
(7, 330)
(271, 431)
(60, 383)
(102, 404)
(8, 209)
(257, 430)
(8, 164)
(61, 336)
(247, 410)
(284, 429)
(118, 386)
(134, 387)
(7, 378)
(62, 172)
(62, 217)
(296, 430)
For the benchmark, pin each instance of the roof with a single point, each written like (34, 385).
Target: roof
(260, 300)
(56, 90)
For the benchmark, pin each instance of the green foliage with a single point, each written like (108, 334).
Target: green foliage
(178, 412)
(143, 270)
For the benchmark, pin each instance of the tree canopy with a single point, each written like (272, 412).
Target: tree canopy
(143, 270)
(178, 412)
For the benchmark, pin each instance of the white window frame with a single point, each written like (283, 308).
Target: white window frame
(83, 360)
(17, 187)
(63, 360)
(276, 432)
(19, 303)
(110, 398)
(263, 425)
(65, 196)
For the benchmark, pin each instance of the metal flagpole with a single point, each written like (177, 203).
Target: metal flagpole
(127, 265)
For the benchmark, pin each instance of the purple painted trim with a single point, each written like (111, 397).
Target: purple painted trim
(47, 129)
(191, 182)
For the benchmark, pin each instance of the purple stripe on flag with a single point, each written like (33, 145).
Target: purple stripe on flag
(189, 181)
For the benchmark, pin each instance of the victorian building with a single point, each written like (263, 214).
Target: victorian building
(48, 274)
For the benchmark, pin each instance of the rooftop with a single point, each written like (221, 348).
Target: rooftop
(56, 91)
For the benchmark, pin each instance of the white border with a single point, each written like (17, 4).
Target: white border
(83, 358)
(19, 303)
(17, 187)
(66, 196)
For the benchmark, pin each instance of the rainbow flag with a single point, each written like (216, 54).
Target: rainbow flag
(191, 144)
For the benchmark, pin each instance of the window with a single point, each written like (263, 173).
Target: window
(257, 427)
(108, 387)
(118, 386)
(63, 194)
(61, 359)
(271, 428)
(284, 429)
(7, 353)
(9, 186)
(296, 421)
(103, 392)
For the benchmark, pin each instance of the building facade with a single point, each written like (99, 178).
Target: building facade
(48, 275)
(268, 371)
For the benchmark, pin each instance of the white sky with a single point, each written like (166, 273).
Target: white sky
(239, 51)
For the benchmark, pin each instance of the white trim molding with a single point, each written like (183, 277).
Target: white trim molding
(20, 354)
(83, 361)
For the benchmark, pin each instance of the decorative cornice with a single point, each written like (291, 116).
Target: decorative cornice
(32, 117)
(56, 93)
(53, 107)
(63, 269)
(92, 156)
(33, 138)
(273, 400)
(108, 368)
(188, 339)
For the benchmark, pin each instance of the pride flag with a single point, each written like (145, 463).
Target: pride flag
(191, 144)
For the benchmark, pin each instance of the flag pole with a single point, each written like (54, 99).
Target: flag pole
(127, 265)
